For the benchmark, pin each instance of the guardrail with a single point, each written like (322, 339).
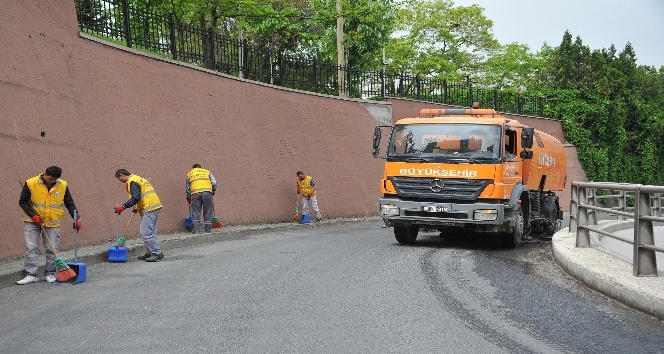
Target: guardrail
(642, 203)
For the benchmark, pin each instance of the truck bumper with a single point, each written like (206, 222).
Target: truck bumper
(399, 212)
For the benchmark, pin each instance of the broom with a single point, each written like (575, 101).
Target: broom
(64, 273)
(297, 204)
(216, 222)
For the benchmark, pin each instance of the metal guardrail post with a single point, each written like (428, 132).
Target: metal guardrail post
(622, 204)
(592, 200)
(582, 233)
(573, 209)
(645, 261)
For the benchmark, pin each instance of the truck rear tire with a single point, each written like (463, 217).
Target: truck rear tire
(513, 239)
(405, 234)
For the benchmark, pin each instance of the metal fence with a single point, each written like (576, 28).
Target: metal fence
(642, 203)
(164, 35)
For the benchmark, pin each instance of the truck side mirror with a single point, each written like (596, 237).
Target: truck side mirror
(526, 154)
(376, 142)
(527, 135)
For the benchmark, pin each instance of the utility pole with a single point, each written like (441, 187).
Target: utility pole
(340, 50)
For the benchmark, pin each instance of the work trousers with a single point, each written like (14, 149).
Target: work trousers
(149, 231)
(202, 201)
(32, 233)
(314, 205)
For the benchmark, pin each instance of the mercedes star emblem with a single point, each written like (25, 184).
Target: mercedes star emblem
(436, 185)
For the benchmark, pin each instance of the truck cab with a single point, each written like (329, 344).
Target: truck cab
(469, 170)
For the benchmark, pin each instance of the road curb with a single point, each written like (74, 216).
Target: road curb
(610, 275)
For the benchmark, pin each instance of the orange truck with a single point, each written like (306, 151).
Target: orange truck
(458, 170)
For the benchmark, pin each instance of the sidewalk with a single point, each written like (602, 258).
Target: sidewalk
(12, 270)
(606, 271)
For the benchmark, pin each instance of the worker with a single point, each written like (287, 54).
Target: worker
(306, 188)
(145, 202)
(200, 186)
(42, 200)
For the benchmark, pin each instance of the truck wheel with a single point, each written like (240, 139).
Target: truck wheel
(513, 239)
(405, 234)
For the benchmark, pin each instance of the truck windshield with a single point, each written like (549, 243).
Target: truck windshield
(445, 142)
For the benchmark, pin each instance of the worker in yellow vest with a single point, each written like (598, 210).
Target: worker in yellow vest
(200, 186)
(43, 200)
(306, 188)
(145, 202)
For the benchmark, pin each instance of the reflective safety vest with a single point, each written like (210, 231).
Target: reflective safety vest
(199, 179)
(149, 199)
(48, 204)
(305, 187)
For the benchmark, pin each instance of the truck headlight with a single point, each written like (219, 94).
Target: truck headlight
(389, 210)
(485, 214)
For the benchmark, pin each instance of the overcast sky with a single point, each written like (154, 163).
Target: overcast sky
(599, 23)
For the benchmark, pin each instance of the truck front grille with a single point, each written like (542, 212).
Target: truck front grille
(439, 189)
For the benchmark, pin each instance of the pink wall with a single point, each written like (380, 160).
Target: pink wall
(103, 108)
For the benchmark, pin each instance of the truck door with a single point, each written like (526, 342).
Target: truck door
(512, 162)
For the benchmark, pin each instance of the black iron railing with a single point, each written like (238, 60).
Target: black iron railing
(164, 35)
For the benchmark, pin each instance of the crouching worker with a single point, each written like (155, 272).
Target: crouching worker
(144, 200)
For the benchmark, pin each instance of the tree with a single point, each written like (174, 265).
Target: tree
(440, 39)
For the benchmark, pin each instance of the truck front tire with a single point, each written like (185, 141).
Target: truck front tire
(405, 234)
(513, 239)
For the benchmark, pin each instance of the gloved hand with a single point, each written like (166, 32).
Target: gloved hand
(298, 192)
(77, 224)
(36, 219)
(134, 210)
(119, 209)
(311, 194)
(188, 200)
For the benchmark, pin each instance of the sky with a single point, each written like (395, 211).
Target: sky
(599, 23)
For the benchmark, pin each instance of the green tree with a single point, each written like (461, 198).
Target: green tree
(435, 38)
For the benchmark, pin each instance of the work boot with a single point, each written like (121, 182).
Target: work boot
(50, 278)
(28, 279)
(143, 257)
(155, 257)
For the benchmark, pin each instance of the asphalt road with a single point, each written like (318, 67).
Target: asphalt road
(334, 289)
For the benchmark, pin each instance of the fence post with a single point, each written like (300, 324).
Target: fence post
(382, 82)
(582, 232)
(417, 86)
(445, 92)
(645, 261)
(495, 100)
(171, 35)
(125, 19)
(592, 215)
(573, 208)
(315, 68)
(622, 204)
(210, 48)
(470, 90)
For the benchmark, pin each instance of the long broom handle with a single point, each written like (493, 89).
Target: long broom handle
(75, 236)
(129, 223)
(48, 239)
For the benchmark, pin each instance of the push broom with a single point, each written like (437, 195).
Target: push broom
(64, 273)
(297, 204)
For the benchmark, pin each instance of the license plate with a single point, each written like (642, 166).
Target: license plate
(436, 209)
